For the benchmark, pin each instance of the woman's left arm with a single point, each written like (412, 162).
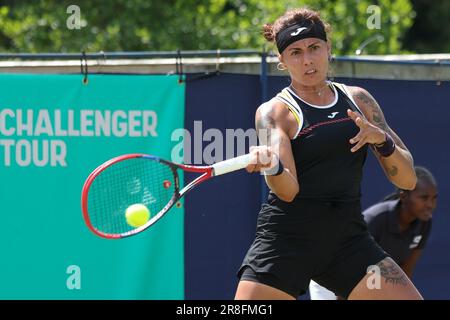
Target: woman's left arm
(398, 166)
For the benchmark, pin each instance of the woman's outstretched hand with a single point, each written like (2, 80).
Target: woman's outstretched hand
(368, 133)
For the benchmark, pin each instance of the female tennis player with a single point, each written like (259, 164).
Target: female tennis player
(400, 224)
(311, 226)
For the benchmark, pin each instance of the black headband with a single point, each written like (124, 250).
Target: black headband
(299, 31)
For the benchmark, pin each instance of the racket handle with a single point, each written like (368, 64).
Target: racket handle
(231, 165)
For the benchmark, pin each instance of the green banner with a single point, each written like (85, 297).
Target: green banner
(54, 130)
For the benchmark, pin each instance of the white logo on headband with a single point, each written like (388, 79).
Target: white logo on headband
(298, 31)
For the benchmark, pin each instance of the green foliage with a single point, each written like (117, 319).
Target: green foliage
(158, 25)
(429, 33)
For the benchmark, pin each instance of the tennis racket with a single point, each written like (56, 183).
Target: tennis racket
(140, 179)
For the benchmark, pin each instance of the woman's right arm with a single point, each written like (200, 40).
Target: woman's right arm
(273, 127)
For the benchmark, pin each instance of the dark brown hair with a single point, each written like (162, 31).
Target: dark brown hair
(291, 17)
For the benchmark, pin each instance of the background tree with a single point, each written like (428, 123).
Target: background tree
(157, 25)
(429, 33)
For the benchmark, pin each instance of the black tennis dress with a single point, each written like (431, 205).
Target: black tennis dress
(321, 235)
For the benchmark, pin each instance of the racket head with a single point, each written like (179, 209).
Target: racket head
(123, 181)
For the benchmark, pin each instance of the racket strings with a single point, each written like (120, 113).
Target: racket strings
(128, 182)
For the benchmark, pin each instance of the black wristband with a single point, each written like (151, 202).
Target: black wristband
(279, 171)
(387, 148)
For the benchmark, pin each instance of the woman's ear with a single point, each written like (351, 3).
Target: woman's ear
(280, 58)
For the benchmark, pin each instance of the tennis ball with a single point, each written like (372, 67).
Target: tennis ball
(137, 215)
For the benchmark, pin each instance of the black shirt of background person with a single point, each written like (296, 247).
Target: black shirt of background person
(382, 220)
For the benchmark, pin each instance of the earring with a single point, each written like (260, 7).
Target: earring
(330, 58)
(281, 66)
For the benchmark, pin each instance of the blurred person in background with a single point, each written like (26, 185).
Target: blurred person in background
(400, 224)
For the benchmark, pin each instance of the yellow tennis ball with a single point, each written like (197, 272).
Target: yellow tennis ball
(137, 215)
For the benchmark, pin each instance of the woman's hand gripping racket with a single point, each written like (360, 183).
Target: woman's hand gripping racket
(128, 194)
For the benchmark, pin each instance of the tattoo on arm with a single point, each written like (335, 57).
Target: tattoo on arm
(265, 124)
(375, 109)
(393, 171)
(392, 273)
(377, 115)
(265, 120)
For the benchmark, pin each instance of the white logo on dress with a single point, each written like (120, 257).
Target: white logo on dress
(296, 32)
(332, 115)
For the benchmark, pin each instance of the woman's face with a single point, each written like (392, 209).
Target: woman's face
(307, 61)
(421, 202)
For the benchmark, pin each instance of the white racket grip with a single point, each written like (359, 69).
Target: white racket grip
(231, 165)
